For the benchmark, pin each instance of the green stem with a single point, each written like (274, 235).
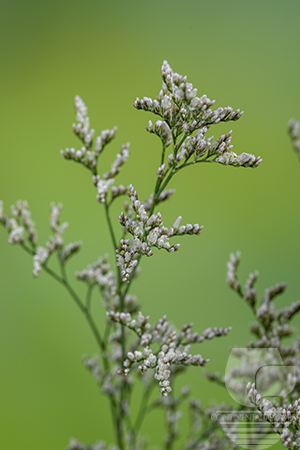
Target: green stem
(89, 297)
(143, 408)
(119, 417)
(112, 234)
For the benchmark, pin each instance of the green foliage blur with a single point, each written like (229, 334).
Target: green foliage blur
(243, 54)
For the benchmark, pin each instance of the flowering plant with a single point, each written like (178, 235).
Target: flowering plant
(130, 345)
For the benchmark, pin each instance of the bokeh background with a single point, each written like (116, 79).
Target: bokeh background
(243, 54)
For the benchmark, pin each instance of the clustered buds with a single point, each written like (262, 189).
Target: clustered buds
(182, 114)
(88, 156)
(55, 242)
(147, 232)
(285, 420)
(188, 337)
(20, 225)
(121, 158)
(70, 250)
(172, 352)
(271, 327)
(82, 128)
(232, 266)
(99, 273)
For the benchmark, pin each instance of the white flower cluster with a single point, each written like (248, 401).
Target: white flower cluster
(121, 158)
(293, 129)
(245, 159)
(39, 260)
(188, 337)
(183, 113)
(55, 242)
(272, 326)
(285, 420)
(139, 325)
(266, 312)
(232, 266)
(171, 350)
(88, 156)
(172, 354)
(22, 214)
(250, 293)
(70, 250)
(147, 232)
(117, 191)
(82, 128)
(20, 223)
(126, 256)
(162, 130)
(102, 188)
(101, 274)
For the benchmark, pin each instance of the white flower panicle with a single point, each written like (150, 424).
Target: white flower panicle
(55, 242)
(20, 226)
(39, 260)
(245, 159)
(22, 214)
(117, 191)
(86, 155)
(162, 130)
(70, 250)
(126, 256)
(89, 156)
(173, 351)
(22, 231)
(121, 158)
(82, 128)
(147, 232)
(105, 137)
(102, 188)
(285, 420)
(182, 113)
(83, 125)
(272, 326)
(250, 293)
(16, 232)
(160, 170)
(232, 266)
(188, 337)
(99, 273)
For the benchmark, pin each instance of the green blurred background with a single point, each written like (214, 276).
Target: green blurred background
(244, 54)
